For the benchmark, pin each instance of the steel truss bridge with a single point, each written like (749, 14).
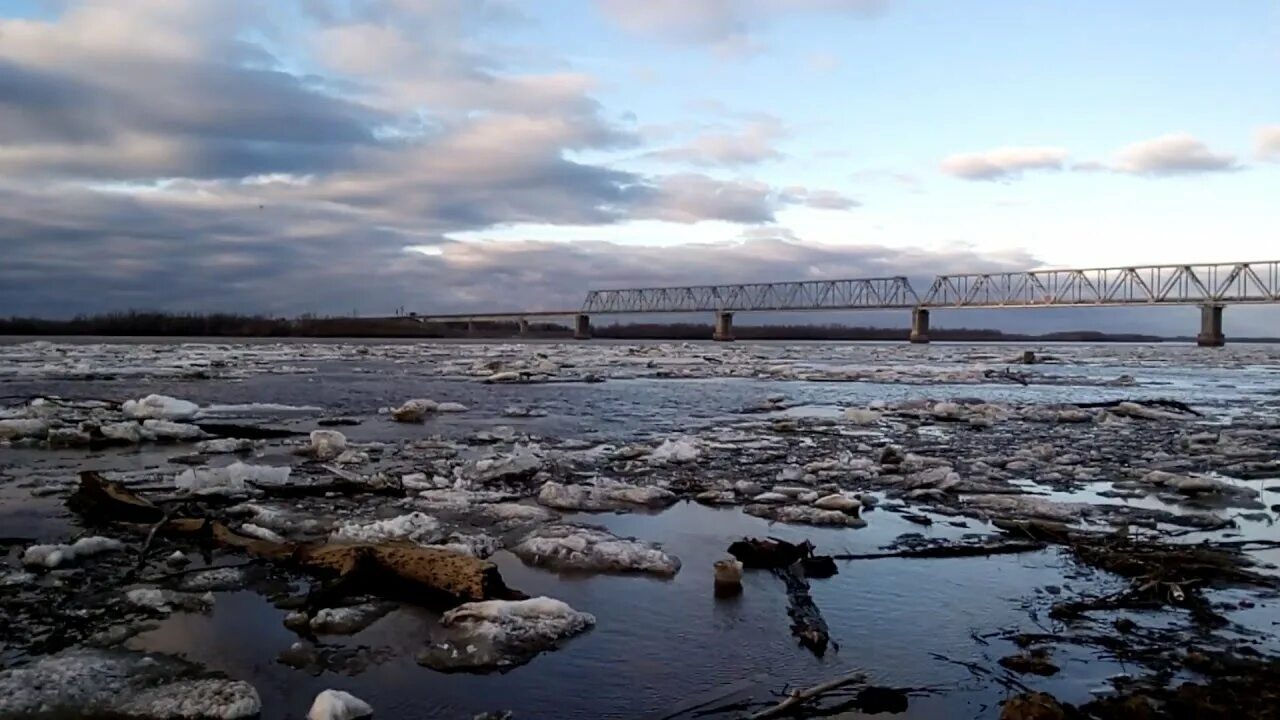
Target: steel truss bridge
(1221, 284)
(1210, 286)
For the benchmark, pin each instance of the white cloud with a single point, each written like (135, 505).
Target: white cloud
(754, 143)
(1173, 154)
(1267, 142)
(1003, 163)
(727, 26)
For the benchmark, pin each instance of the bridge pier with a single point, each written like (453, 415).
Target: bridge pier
(471, 327)
(724, 327)
(524, 326)
(582, 327)
(1211, 327)
(919, 326)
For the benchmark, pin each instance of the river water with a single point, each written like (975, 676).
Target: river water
(658, 644)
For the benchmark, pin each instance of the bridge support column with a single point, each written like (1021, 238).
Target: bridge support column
(724, 327)
(1211, 327)
(582, 327)
(524, 326)
(471, 327)
(919, 326)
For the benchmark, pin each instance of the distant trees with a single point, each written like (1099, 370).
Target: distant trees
(161, 324)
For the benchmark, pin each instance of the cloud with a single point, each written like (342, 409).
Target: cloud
(1174, 154)
(727, 26)
(154, 153)
(755, 143)
(207, 251)
(1003, 163)
(1267, 142)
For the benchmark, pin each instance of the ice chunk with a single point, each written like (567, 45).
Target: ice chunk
(160, 407)
(838, 501)
(502, 633)
(520, 464)
(607, 495)
(327, 444)
(51, 556)
(348, 620)
(222, 446)
(478, 545)
(338, 705)
(261, 533)
(231, 480)
(207, 699)
(167, 601)
(859, 416)
(76, 683)
(590, 549)
(413, 411)
(805, 515)
(126, 432)
(167, 430)
(675, 450)
(451, 407)
(68, 437)
(415, 527)
(18, 428)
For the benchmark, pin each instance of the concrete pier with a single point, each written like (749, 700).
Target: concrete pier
(524, 326)
(582, 327)
(1211, 327)
(724, 327)
(471, 327)
(919, 326)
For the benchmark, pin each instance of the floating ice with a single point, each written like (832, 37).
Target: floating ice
(74, 683)
(859, 416)
(167, 601)
(348, 620)
(327, 444)
(261, 533)
(166, 430)
(18, 428)
(804, 515)
(126, 432)
(451, 407)
(160, 407)
(606, 495)
(51, 556)
(224, 446)
(338, 705)
(502, 633)
(413, 411)
(839, 501)
(231, 480)
(415, 527)
(521, 463)
(589, 549)
(675, 450)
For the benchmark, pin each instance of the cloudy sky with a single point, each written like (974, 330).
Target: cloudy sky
(465, 155)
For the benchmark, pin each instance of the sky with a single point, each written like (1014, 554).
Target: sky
(331, 156)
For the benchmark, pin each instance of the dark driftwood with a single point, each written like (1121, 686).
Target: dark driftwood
(807, 623)
(800, 697)
(952, 551)
(773, 554)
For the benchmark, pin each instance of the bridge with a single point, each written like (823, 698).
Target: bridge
(1210, 286)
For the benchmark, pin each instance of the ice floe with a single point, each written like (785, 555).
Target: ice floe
(589, 549)
(502, 633)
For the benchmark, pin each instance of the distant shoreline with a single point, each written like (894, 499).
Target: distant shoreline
(164, 325)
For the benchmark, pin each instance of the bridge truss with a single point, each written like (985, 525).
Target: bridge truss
(1205, 284)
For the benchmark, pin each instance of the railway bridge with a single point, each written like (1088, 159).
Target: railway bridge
(1210, 286)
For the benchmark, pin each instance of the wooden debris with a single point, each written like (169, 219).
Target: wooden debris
(801, 697)
(100, 499)
(807, 623)
(952, 551)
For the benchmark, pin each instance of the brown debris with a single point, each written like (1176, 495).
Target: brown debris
(100, 499)
(1033, 706)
